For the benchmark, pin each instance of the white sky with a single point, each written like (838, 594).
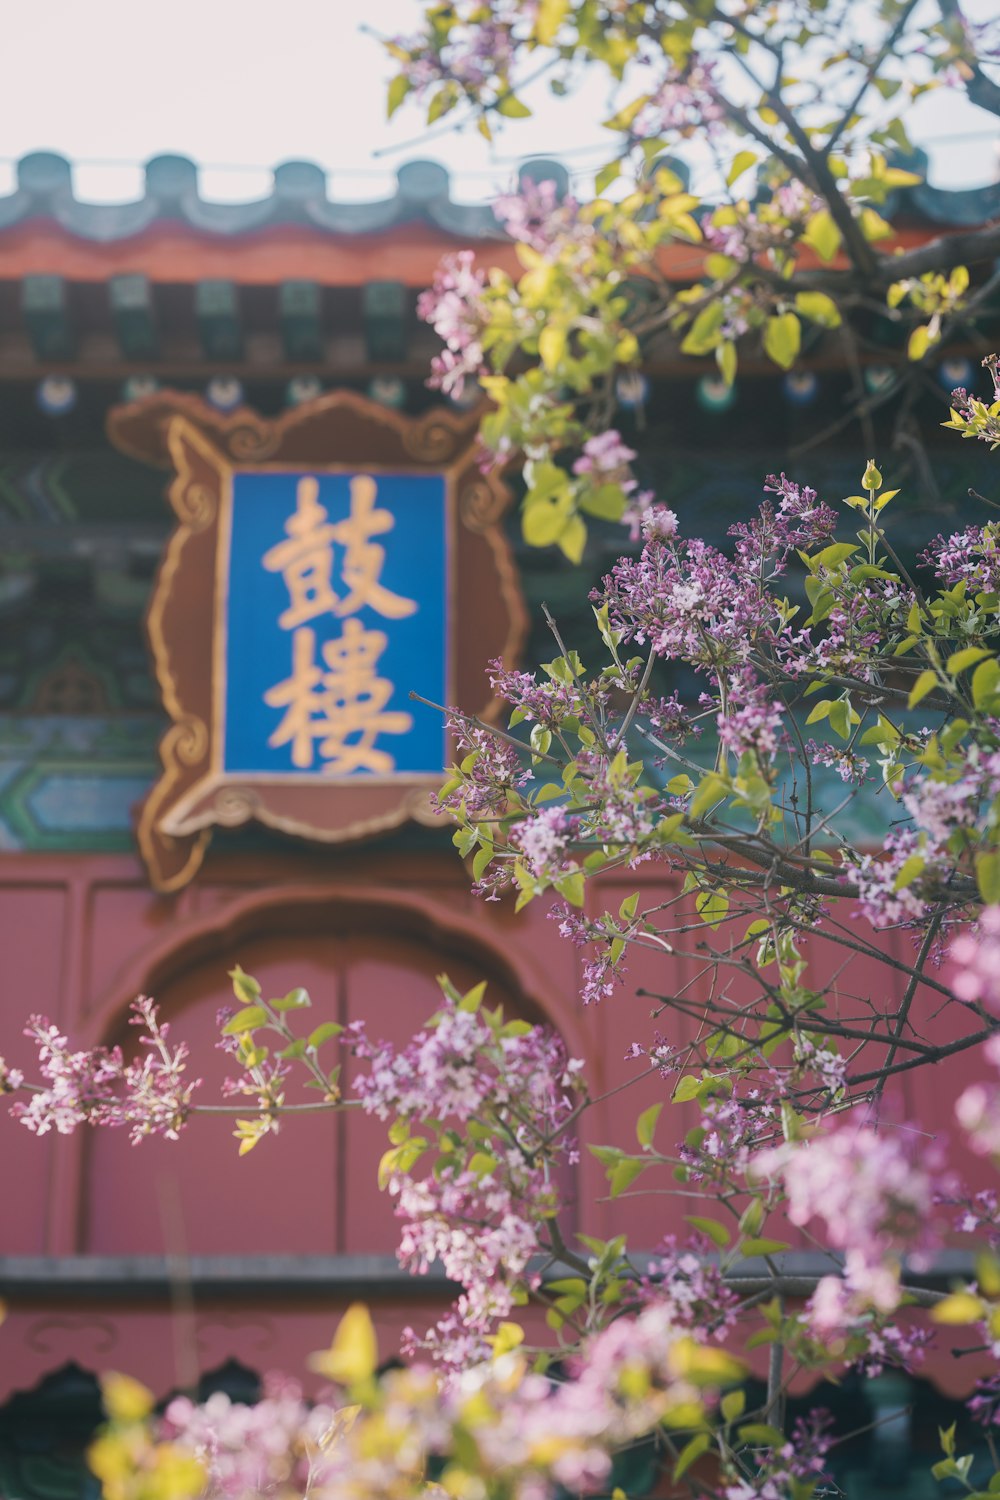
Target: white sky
(240, 85)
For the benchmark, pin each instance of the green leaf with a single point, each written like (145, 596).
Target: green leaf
(733, 1405)
(761, 1435)
(988, 876)
(919, 342)
(762, 1247)
(399, 87)
(717, 1233)
(742, 162)
(712, 907)
(512, 108)
(322, 1034)
(550, 16)
(959, 660)
(959, 1308)
(624, 1174)
(646, 1125)
(691, 1452)
(831, 557)
(686, 1089)
(726, 359)
(818, 308)
(572, 887)
(245, 987)
(629, 907)
(544, 522)
(245, 1020)
(822, 235)
(573, 538)
(783, 339)
(711, 789)
(297, 999)
(985, 681)
(606, 176)
(924, 684)
(552, 345)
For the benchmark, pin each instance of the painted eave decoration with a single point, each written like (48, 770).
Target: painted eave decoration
(324, 566)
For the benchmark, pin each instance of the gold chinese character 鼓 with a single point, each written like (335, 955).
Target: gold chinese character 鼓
(306, 559)
(341, 711)
(363, 558)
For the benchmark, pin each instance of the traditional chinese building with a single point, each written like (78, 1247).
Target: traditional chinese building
(269, 354)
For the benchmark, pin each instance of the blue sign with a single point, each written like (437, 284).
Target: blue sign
(335, 607)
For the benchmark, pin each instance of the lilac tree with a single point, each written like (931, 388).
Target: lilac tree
(827, 671)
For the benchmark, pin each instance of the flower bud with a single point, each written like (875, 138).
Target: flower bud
(872, 479)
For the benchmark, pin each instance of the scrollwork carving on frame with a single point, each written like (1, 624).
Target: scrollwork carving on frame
(341, 432)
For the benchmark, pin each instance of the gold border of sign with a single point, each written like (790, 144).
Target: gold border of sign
(193, 793)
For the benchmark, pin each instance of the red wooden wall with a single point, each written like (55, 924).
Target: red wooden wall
(366, 933)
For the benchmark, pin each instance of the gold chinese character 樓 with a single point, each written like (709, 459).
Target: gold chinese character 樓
(306, 559)
(339, 712)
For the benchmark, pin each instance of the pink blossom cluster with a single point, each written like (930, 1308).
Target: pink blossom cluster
(880, 899)
(544, 839)
(874, 1192)
(800, 520)
(976, 956)
(604, 454)
(753, 723)
(151, 1095)
(272, 1448)
(940, 808)
(793, 1469)
(548, 702)
(685, 102)
(977, 1108)
(691, 1287)
(458, 1066)
(730, 1135)
(970, 556)
(483, 1229)
(454, 308)
(493, 769)
(535, 215)
(482, 1220)
(689, 601)
(850, 767)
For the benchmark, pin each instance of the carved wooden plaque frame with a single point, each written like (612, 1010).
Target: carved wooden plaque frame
(337, 433)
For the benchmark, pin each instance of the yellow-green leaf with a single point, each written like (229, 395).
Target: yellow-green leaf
(717, 1233)
(783, 339)
(124, 1399)
(924, 684)
(399, 87)
(742, 162)
(573, 538)
(512, 108)
(551, 345)
(988, 876)
(646, 1125)
(959, 660)
(551, 14)
(691, 1452)
(818, 308)
(920, 341)
(822, 235)
(353, 1355)
(959, 1307)
(245, 1020)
